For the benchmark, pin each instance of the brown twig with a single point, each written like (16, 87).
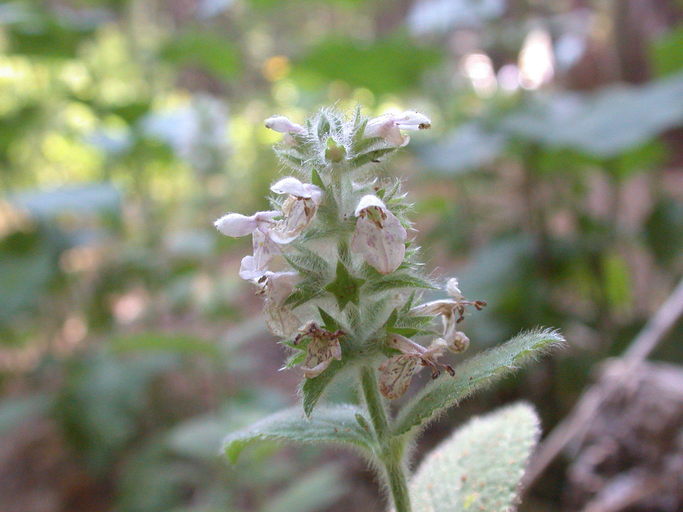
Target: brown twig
(578, 420)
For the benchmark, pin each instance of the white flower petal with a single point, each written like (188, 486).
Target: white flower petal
(294, 187)
(279, 285)
(249, 270)
(405, 345)
(382, 247)
(282, 124)
(385, 127)
(236, 224)
(281, 320)
(368, 201)
(256, 266)
(389, 126)
(452, 288)
(435, 307)
(411, 120)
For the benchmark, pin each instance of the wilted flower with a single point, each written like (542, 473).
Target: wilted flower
(379, 235)
(389, 126)
(298, 209)
(396, 372)
(322, 348)
(276, 287)
(452, 312)
(282, 124)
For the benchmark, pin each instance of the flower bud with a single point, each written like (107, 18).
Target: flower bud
(282, 124)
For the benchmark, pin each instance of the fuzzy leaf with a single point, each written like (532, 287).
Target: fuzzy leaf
(337, 424)
(397, 280)
(314, 388)
(306, 290)
(306, 262)
(478, 467)
(329, 322)
(473, 374)
(370, 156)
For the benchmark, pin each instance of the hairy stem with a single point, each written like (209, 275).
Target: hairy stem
(391, 454)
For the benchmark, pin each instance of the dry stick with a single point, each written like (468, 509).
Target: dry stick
(579, 419)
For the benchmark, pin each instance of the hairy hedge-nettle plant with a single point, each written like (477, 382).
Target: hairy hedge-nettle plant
(339, 273)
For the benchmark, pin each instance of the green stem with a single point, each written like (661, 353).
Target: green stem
(398, 483)
(391, 453)
(373, 401)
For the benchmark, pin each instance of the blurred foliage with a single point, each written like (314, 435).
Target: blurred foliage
(127, 126)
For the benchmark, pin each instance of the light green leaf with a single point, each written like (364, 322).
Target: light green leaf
(161, 342)
(479, 467)
(335, 424)
(475, 373)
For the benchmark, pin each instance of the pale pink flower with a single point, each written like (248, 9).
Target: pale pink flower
(298, 209)
(452, 312)
(276, 287)
(264, 248)
(389, 126)
(379, 236)
(322, 348)
(396, 372)
(282, 124)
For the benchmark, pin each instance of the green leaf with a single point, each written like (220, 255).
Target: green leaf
(475, 373)
(314, 388)
(306, 290)
(667, 57)
(337, 425)
(210, 51)
(329, 323)
(306, 262)
(397, 280)
(478, 467)
(178, 344)
(393, 64)
(370, 156)
(345, 287)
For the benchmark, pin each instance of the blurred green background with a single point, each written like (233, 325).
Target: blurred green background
(551, 184)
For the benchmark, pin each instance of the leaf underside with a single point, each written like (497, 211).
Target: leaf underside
(479, 467)
(473, 374)
(335, 424)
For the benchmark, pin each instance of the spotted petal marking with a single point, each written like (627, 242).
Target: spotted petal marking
(395, 375)
(319, 355)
